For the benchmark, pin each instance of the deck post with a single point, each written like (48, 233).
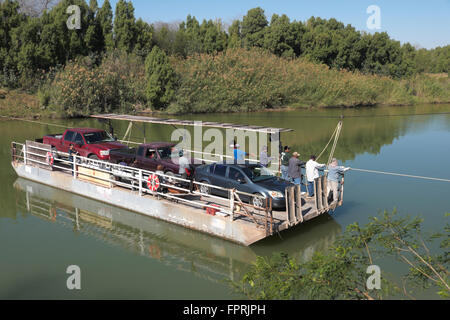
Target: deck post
(286, 197)
(298, 203)
(266, 222)
(325, 193)
(25, 149)
(316, 203)
(271, 216)
(140, 182)
(231, 195)
(291, 206)
(342, 191)
(74, 166)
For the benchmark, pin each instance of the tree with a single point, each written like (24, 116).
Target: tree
(10, 18)
(144, 38)
(279, 37)
(189, 33)
(341, 272)
(234, 35)
(94, 39)
(105, 20)
(124, 26)
(160, 79)
(253, 28)
(214, 39)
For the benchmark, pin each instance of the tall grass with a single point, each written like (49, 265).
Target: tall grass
(249, 80)
(237, 80)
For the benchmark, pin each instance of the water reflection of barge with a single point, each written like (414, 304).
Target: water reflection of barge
(205, 256)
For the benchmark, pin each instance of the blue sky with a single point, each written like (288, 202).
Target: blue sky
(424, 23)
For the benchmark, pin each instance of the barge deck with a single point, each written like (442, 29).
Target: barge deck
(233, 220)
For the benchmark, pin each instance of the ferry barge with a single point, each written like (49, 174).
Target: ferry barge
(131, 189)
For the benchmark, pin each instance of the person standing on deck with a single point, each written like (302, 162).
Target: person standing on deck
(72, 152)
(333, 177)
(239, 155)
(184, 164)
(264, 159)
(295, 165)
(312, 172)
(285, 157)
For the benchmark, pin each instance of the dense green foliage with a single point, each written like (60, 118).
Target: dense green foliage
(82, 88)
(250, 80)
(253, 65)
(340, 273)
(160, 79)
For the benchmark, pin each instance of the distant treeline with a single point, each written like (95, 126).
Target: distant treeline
(37, 50)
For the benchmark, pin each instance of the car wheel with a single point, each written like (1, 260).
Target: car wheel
(93, 157)
(204, 189)
(257, 201)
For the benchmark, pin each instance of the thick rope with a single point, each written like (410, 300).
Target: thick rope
(326, 147)
(401, 175)
(336, 139)
(128, 132)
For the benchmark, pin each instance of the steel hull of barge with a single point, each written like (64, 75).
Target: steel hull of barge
(243, 226)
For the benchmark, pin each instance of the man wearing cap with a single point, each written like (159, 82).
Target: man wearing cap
(285, 156)
(333, 177)
(294, 170)
(239, 155)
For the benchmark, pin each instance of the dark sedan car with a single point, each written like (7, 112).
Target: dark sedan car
(250, 178)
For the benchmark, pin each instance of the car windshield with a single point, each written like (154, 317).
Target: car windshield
(166, 153)
(258, 173)
(98, 137)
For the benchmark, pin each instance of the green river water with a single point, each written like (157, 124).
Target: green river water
(125, 255)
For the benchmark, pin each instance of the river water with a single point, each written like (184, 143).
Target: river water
(122, 254)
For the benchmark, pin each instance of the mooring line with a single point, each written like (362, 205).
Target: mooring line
(400, 175)
(38, 122)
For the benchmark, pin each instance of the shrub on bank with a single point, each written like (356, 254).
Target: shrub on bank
(82, 88)
(250, 80)
(237, 80)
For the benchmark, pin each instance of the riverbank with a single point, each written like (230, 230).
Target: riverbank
(233, 81)
(252, 80)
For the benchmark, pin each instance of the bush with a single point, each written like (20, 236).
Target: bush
(250, 80)
(82, 88)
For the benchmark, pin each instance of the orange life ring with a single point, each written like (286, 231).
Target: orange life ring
(153, 182)
(49, 158)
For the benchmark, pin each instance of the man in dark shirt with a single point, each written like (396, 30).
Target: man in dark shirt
(295, 171)
(285, 156)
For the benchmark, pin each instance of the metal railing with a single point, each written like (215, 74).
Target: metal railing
(222, 157)
(140, 180)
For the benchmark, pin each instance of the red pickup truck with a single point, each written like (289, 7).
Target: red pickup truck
(90, 143)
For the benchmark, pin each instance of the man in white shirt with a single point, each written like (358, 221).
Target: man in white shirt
(312, 172)
(184, 164)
